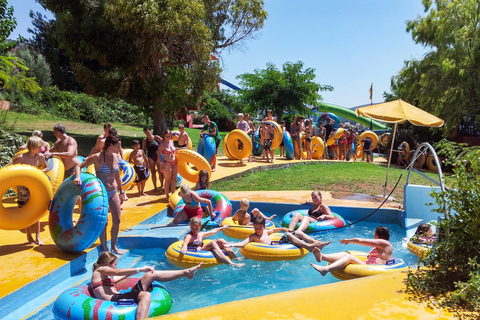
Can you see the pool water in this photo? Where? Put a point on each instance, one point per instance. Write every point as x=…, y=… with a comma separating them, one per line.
x=222, y=283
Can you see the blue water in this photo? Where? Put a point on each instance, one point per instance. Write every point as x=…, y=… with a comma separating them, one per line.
x=222, y=283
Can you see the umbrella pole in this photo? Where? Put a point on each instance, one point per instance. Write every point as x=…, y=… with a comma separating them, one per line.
x=389, y=160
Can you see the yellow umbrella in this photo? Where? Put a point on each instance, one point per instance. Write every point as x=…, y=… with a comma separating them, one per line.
x=398, y=111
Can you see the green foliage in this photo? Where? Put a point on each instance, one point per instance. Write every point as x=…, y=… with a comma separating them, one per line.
x=13, y=75
x=453, y=269
x=217, y=112
x=287, y=90
x=9, y=142
x=446, y=81
x=8, y=23
x=37, y=66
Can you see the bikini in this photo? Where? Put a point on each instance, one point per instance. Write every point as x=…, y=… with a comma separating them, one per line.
x=109, y=282
x=374, y=257
x=192, y=212
x=171, y=150
x=105, y=169
x=196, y=243
x=315, y=214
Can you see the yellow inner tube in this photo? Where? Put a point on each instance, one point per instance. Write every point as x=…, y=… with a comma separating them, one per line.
x=192, y=258
x=338, y=133
x=407, y=150
x=186, y=157
x=417, y=249
x=318, y=147
x=277, y=134
x=431, y=163
x=225, y=149
x=40, y=194
x=273, y=252
x=56, y=174
x=372, y=136
x=232, y=145
x=237, y=231
x=174, y=199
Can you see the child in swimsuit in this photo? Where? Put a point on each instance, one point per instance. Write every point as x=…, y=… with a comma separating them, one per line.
x=34, y=158
x=242, y=217
x=308, y=138
x=137, y=157
x=424, y=234
x=381, y=252
x=183, y=137
x=295, y=132
x=266, y=135
x=192, y=206
x=194, y=240
x=169, y=164
x=203, y=183
x=105, y=274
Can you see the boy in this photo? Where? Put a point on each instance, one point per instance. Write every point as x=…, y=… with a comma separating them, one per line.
x=243, y=218
x=262, y=235
x=266, y=135
x=183, y=138
x=34, y=158
x=367, y=144
x=137, y=157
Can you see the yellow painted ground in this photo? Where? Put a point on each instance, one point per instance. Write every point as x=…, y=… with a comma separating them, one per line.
x=22, y=263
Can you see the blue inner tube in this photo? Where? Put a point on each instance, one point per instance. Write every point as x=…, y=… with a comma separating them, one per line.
x=315, y=226
x=79, y=303
x=288, y=143
x=206, y=147
x=93, y=217
x=257, y=145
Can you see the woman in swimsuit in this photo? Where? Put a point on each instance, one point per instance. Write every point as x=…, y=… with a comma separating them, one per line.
x=194, y=240
x=381, y=252
x=319, y=212
x=192, y=206
x=106, y=167
x=150, y=147
x=105, y=274
x=169, y=163
x=308, y=138
x=295, y=133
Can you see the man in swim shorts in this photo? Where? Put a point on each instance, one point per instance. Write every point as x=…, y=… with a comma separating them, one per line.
x=210, y=128
x=65, y=148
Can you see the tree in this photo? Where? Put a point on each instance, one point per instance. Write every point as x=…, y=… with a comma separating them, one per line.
x=453, y=267
x=7, y=24
x=38, y=68
x=287, y=90
x=131, y=48
x=446, y=82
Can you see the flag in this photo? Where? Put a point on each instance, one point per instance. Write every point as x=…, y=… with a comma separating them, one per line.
x=371, y=91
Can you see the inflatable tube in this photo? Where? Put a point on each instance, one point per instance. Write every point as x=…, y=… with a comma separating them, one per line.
x=385, y=139
x=318, y=147
x=372, y=136
x=192, y=257
x=179, y=181
x=418, y=249
x=257, y=144
x=225, y=149
x=351, y=115
x=37, y=182
x=233, y=145
x=334, y=117
x=127, y=174
x=277, y=134
x=174, y=199
x=237, y=231
x=93, y=217
x=126, y=154
x=315, y=226
x=288, y=144
x=220, y=204
x=353, y=271
x=186, y=157
x=338, y=133
x=89, y=169
x=302, y=145
x=206, y=147
x=56, y=172
x=175, y=134
x=78, y=303
x=431, y=163
x=274, y=251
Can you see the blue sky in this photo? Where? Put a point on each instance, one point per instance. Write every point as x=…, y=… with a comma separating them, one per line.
x=349, y=43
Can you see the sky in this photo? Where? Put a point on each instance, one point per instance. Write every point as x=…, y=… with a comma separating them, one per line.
x=350, y=43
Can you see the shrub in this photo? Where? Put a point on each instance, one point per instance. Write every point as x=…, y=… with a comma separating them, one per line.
x=217, y=113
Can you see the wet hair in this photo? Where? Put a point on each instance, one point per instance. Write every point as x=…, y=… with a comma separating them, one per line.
x=317, y=192
x=185, y=188
x=244, y=203
x=107, y=125
x=166, y=132
x=202, y=174
x=259, y=220
x=147, y=128
x=104, y=259
x=33, y=142
x=60, y=128
x=111, y=140
x=37, y=133
x=134, y=142
x=195, y=220
x=112, y=132
x=422, y=229
x=382, y=232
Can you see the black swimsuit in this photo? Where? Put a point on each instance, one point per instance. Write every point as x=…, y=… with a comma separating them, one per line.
x=152, y=149
x=315, y=214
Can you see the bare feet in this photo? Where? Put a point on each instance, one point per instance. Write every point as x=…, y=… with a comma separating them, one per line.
x=319, y=244
x=117, y=251
x=213, y=169
x=237, y=264
x=318, y=254
x=323, y=271
x=192, y=270
x=40, y=242
x=144, y=194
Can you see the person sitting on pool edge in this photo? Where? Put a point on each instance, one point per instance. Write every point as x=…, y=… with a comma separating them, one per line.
x=194, y=239
x=243, y=218
x=381, y=252
x=105, y=274
x=192, y=206
x=262, y=235
x=318, y=212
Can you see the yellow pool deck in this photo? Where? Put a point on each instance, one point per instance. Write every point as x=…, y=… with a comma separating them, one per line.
x=368, y=298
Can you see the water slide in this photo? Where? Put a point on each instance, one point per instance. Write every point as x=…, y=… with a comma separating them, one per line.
x=350, y=114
